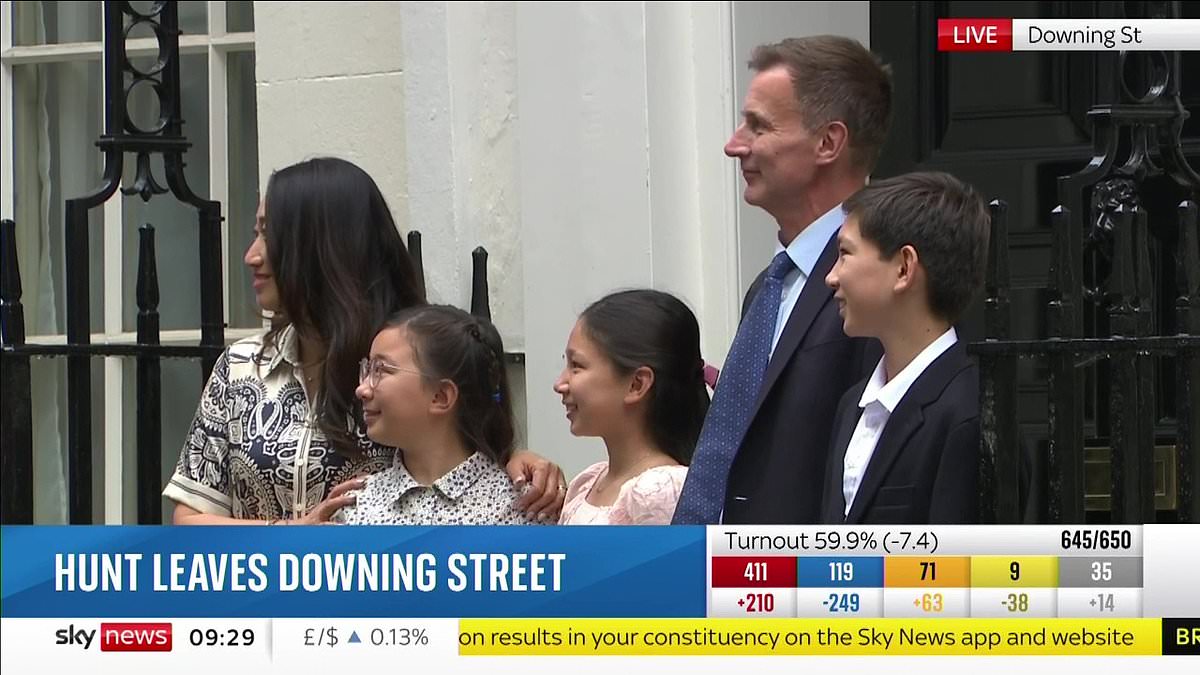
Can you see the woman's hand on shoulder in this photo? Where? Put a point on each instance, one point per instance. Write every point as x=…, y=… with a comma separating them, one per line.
x=543, y=483
x=340, y=496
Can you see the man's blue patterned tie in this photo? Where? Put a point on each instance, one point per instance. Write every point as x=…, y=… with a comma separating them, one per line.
x=737, y=390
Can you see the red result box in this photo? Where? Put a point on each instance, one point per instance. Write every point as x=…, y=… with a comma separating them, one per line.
x=747, y=572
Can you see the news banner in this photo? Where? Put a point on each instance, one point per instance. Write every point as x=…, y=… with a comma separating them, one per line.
x=308, y=599
x=1094, y=35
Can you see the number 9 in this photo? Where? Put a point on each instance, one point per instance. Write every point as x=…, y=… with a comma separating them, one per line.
x=1014, y=570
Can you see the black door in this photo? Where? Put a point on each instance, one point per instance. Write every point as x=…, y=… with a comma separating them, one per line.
x=1011, y=124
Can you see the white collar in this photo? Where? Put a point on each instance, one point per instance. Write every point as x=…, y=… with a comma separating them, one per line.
x=807, y=246
x=889, y=394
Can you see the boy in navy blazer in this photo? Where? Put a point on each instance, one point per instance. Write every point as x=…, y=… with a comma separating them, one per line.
x=905, y=446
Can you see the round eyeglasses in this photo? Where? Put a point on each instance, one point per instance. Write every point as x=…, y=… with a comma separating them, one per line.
x=370, y=369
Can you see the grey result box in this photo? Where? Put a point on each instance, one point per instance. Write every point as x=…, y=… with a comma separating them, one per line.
x=1100, y=572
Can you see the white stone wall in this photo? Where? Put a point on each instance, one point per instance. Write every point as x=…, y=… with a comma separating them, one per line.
x=331, y=82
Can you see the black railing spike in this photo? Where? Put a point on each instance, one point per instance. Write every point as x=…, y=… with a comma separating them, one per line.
x=149, y=385
x=996, y=285
x=16, y=414
x=1187, y=371
x=12, y=319
x=147, y=276
x=999, y=477
x=414, y=252
x=480, y=304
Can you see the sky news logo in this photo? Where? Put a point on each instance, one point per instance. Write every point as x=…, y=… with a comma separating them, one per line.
x=118, y=637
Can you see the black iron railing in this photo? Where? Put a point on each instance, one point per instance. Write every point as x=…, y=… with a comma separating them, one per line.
x=1123, y=320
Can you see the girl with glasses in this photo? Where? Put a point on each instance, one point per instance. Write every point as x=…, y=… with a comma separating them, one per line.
x=435, y=387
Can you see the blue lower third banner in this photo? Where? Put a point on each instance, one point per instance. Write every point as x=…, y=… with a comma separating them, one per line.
x=111, y=571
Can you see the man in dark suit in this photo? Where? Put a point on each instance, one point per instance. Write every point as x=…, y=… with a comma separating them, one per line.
x=814, y=121
x=912, y=254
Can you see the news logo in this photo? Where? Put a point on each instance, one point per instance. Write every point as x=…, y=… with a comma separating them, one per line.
x=135, y=637
x=72, y=637
x=118, y=637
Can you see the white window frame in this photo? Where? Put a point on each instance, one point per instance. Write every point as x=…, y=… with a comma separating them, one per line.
x=218, y=44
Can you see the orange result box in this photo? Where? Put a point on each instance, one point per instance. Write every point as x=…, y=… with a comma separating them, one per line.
x=927, y=572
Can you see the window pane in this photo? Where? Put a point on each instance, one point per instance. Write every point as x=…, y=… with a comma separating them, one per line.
x=49, y=400
x=193, y=17
x=42, y=23
x=176, y=234
x=51, y=502
x=243, y=187
x=56, y=118
x=239, y=16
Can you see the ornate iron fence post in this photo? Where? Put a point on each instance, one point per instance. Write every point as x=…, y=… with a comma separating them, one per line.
x=1104, y=310
x=16, y=414
x=1000, y=469
x=122, y=135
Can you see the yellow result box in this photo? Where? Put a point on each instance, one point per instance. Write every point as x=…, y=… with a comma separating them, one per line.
x=998, y=571
x=923, y=572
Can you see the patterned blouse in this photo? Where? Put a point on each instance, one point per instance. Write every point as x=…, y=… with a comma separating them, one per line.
x=476, y=492
x=254, y=450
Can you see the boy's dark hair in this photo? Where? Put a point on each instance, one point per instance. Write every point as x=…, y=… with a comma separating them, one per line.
x=449, y=344
x=656, y=330
x=943, y=218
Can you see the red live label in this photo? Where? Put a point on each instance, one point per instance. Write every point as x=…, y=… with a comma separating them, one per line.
x=135, y=637
x=763, y=572
x=974, y=35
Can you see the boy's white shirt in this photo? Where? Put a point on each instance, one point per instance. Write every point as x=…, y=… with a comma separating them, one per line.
x=877, y=402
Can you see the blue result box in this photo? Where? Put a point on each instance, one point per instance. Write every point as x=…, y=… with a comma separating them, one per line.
x=846, y=572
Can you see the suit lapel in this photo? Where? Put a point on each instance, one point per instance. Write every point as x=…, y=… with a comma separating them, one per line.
x=900, y=426
x=904, y=422
x=836, y=504
x=812, y=298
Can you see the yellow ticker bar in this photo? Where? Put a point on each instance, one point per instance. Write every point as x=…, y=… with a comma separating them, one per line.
x=798, y=637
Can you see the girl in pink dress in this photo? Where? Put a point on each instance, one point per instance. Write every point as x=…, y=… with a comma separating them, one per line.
x=634, y=377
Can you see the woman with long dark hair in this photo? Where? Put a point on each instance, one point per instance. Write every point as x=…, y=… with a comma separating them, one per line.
x=278, y=436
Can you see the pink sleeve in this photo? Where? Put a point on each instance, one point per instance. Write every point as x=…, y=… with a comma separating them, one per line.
x=651, y=497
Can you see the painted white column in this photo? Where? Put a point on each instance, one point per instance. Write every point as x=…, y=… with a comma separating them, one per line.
x=462, y=148
x=623, y=109
x=693, y=198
